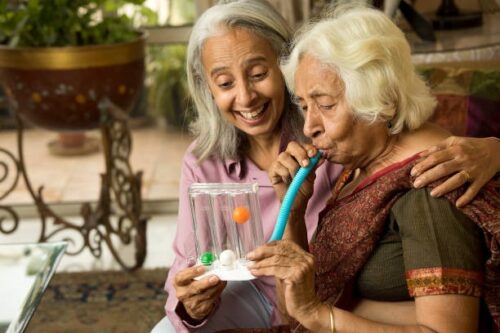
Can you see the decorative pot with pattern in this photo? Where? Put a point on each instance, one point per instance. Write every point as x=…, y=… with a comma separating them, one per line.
x=59, y=88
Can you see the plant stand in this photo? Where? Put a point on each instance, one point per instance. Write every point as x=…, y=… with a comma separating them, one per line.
x=118, y=212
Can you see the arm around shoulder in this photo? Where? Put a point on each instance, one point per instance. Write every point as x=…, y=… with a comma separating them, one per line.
x=462, y=160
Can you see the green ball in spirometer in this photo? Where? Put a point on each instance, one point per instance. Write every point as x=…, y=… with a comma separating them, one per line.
x=207, y=258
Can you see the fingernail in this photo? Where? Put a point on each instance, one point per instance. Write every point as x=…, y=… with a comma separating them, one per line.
x=250, y=264
x=413, y=172
x=250, y=255
x=459, y=204
x=305, y=162
x=213, y=279
x=417, y=183
x=200, y=269
x=434, y=193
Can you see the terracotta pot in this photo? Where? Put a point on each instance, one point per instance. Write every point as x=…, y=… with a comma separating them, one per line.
x=72, y=139
x=59, y=88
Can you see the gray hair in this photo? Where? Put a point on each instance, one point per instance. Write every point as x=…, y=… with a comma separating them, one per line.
x=215, y=136
x=372, y=57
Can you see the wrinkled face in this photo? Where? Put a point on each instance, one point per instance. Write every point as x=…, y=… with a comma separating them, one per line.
x=245, y=80
x=329, y=121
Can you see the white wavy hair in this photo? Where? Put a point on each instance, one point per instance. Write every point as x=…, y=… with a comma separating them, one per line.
x=373, y=59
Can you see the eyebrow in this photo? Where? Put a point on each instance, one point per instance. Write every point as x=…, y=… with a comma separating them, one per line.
x=257, y=59
x=248, y=62
x=316, y=93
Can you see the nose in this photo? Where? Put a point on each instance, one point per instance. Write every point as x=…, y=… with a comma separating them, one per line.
x=313, y=125
x=245, y=93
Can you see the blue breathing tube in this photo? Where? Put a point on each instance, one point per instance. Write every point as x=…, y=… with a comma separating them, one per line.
x=290, y=195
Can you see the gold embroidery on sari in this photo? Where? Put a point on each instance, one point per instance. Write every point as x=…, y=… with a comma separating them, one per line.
x=438, y=281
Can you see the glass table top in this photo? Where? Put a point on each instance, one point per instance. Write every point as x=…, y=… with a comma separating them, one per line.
x=25, y=272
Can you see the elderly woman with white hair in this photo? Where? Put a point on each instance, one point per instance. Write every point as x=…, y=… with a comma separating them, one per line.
x=386, y=257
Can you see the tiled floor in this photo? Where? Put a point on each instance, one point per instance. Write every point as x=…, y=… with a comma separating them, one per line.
x=155, y=151
x=67, y=181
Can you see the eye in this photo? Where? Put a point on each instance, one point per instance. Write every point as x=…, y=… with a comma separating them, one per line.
x=302, y=107
x=325, y=103
x=225, y=84
x=224, y=81
x=259, y=76
x=258, y=72
x=327, y=107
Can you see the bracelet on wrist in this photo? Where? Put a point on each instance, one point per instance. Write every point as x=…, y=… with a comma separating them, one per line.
x=332, y=318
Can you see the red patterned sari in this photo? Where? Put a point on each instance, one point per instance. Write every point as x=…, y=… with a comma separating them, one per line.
x=351, y=227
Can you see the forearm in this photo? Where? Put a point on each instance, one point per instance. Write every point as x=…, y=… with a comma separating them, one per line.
x=346, y=321
x=296, y=230
x=343, y=321
x=321, y=319
x=281, y=302
x=428, y=314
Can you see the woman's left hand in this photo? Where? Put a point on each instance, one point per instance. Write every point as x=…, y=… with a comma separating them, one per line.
x=472, y=160
x=294, y=268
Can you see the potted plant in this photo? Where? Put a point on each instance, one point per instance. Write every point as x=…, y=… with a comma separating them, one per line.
x=60, y=62
x=59, y=58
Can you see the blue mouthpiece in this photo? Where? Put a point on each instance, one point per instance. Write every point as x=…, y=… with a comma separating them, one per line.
x=290, y=195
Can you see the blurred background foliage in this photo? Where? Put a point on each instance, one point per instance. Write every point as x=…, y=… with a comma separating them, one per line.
x=46, y=23
x=168, y=95
x=167, y=84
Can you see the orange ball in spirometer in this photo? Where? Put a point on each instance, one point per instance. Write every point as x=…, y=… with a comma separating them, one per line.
x=241, y=215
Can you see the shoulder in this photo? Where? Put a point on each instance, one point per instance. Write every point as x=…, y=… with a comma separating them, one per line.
x=434, y=233
x=418, y=213
x=211, y=169
x=422, y=138
x=189, y=158
x=419, y=200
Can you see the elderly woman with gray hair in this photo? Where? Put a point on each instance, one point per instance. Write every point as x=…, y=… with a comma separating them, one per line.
x=245, y=118
x=386, y=257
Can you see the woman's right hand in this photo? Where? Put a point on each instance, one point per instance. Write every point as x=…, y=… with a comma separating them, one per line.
x=198, y=297
x=294, y=269
x=286, y=166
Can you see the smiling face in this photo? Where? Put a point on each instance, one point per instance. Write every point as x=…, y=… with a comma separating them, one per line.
x=245, y=80
x=329, y=121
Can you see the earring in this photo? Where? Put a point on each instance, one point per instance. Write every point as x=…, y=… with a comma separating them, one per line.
x=389, y=124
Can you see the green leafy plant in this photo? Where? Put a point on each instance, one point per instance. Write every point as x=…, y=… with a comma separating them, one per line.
x=168, y=92
x=46, y=23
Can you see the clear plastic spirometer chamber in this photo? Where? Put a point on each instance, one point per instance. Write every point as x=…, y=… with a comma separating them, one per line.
x=227, y=225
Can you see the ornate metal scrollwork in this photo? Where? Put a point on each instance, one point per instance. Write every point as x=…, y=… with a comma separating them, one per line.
x=9, y=177
x=118, y=213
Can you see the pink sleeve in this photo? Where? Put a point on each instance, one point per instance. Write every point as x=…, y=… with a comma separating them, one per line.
x=183, y=246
